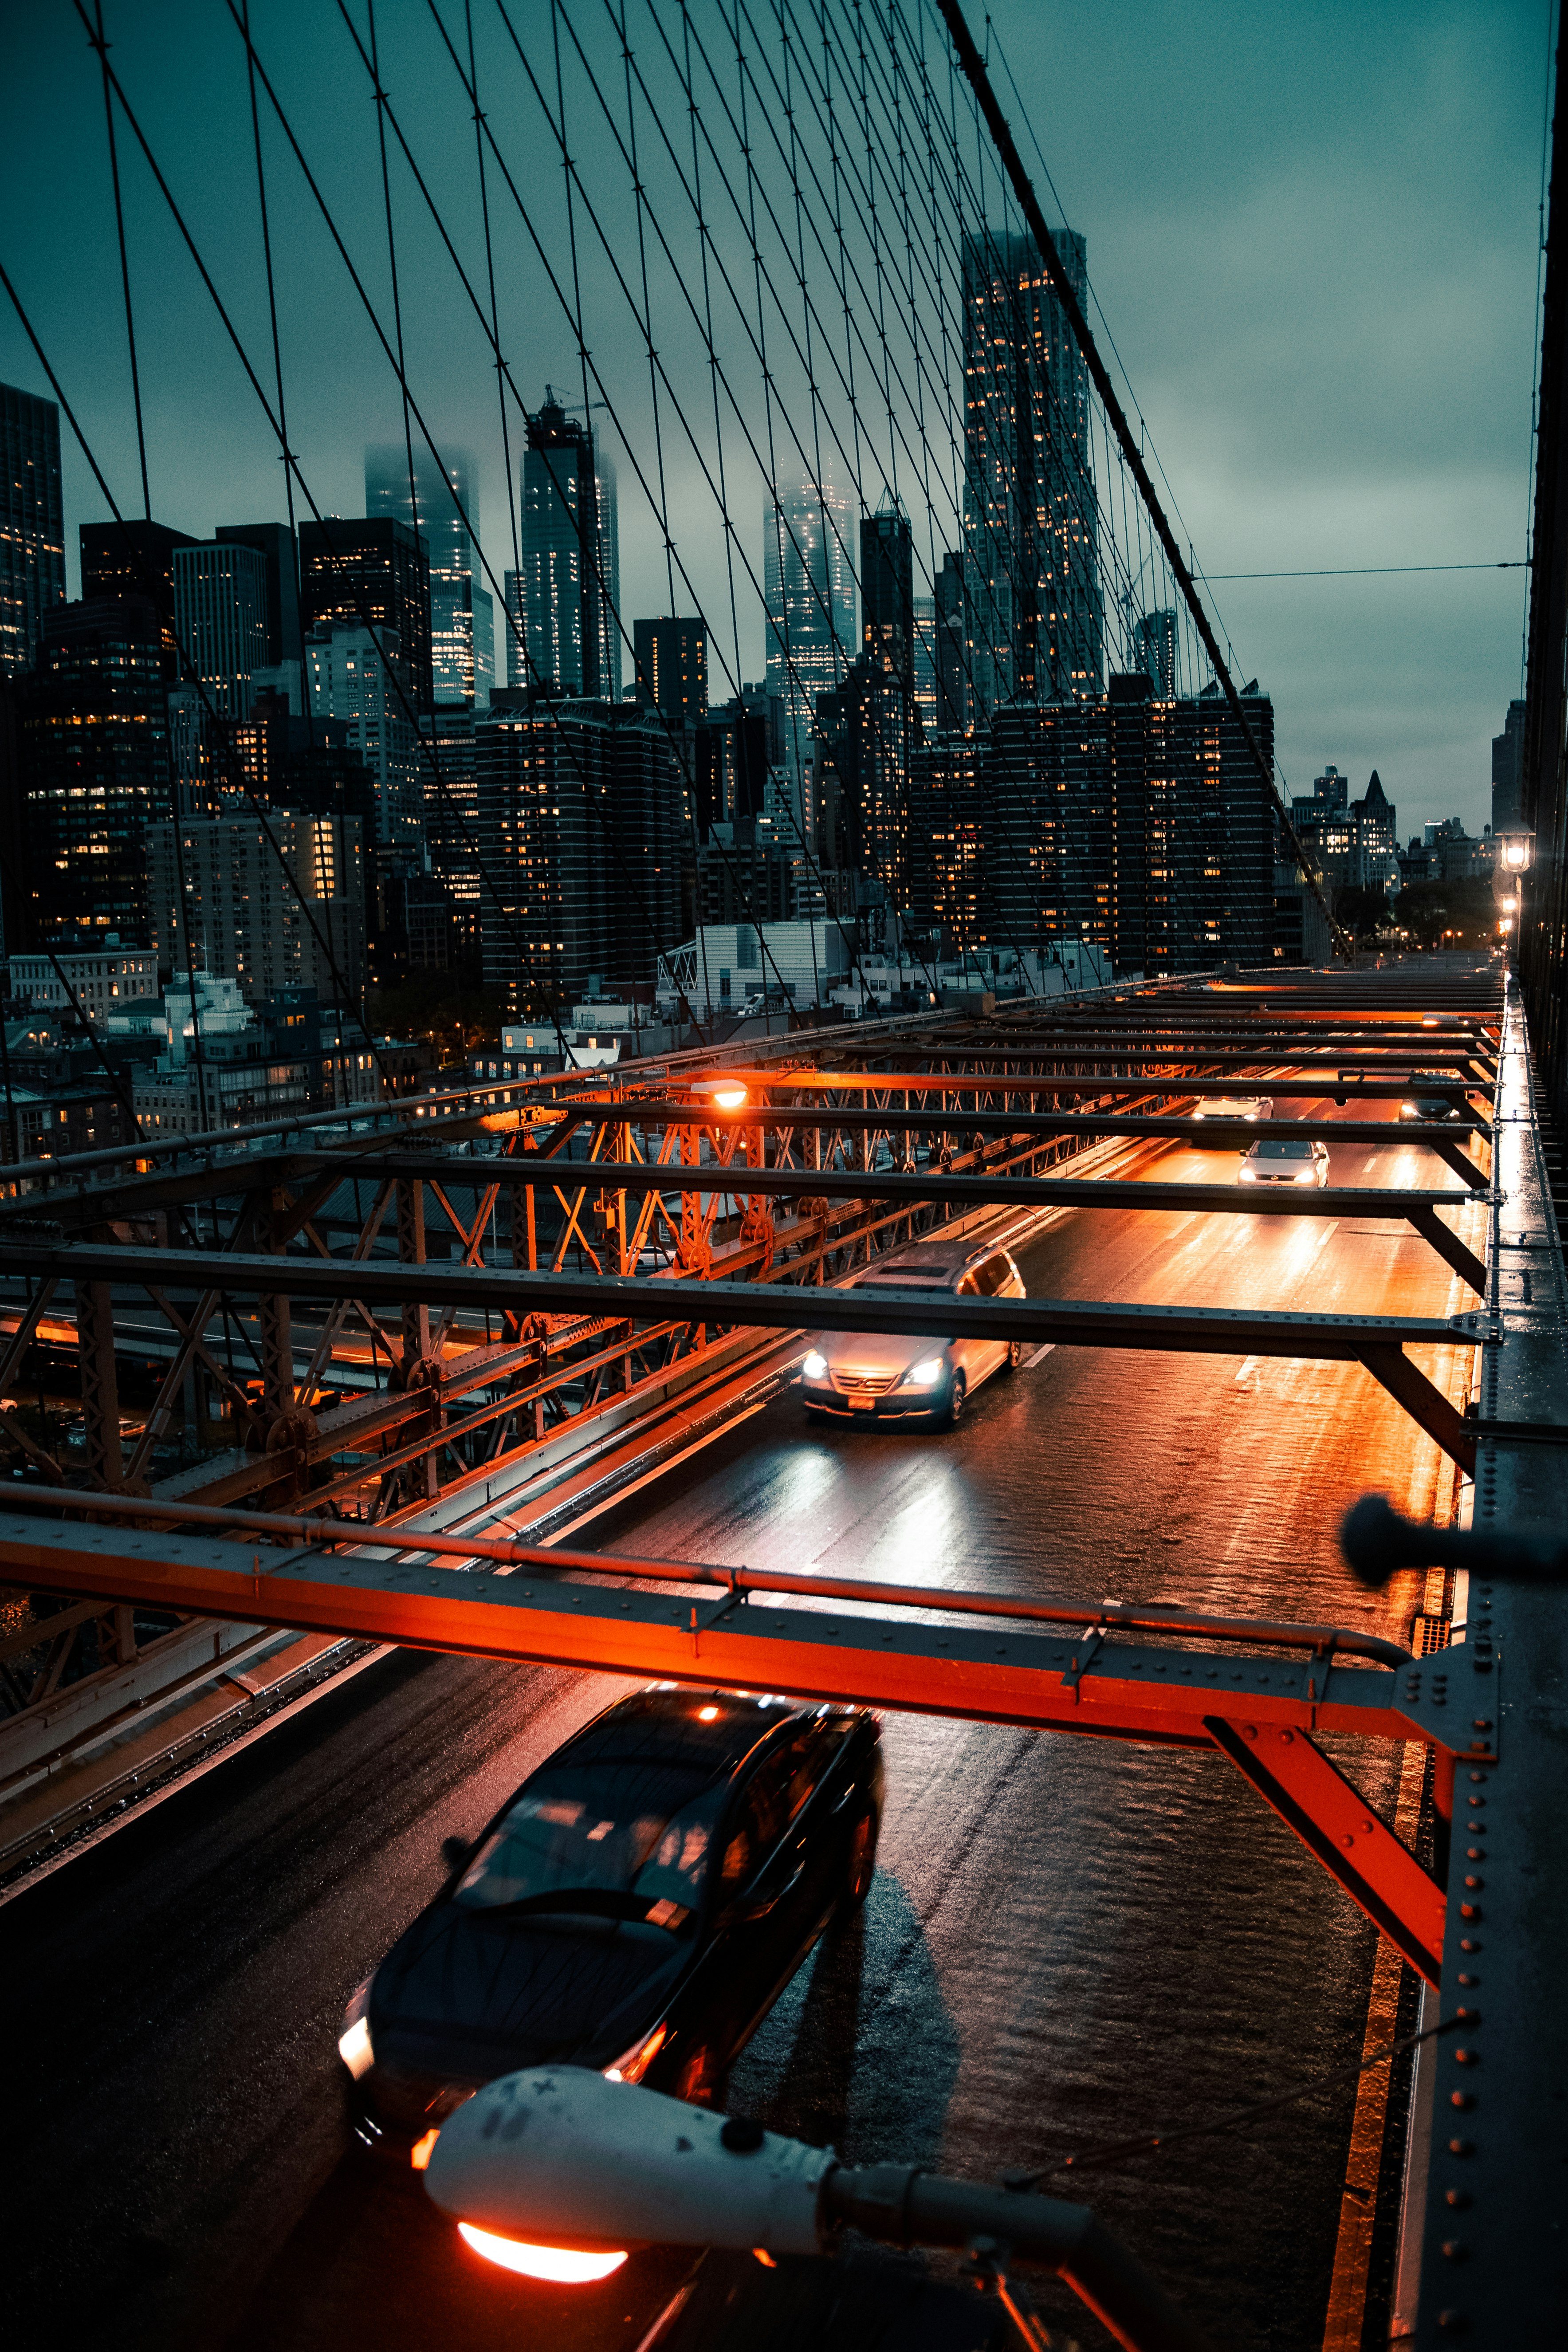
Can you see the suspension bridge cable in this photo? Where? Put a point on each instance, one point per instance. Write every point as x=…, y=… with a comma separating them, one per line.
x=101, y=46
x=1007, y=153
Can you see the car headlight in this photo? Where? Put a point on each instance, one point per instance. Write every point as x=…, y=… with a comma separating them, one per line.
x=926, y=1375
x=815, y=1366
x=1249, y=1176
x=1306, y=1176
x=354, y=2048
x=353, y=2043
x=1408, y=1110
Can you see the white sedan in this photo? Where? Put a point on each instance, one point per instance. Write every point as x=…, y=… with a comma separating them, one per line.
x=1250, y=1108
x=1285, y=1160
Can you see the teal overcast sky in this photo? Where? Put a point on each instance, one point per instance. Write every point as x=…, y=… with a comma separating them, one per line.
x=1313, y=231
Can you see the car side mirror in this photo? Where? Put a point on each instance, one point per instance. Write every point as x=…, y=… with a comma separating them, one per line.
x=455, y=1852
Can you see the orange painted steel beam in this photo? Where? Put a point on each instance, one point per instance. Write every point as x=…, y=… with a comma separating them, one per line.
x=1336, y=1824
x=1075, y=1680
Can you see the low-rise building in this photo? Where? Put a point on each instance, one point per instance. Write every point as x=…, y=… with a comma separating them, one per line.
x=95, y=982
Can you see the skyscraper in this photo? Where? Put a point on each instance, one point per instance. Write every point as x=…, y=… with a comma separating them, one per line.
x=134, y=559
x=571, y=544
x=808, y=588
x=377, y=572
x=93, y=769
x=1035, y=623
x=610, y=557
x=672, y=667
x=462, y=615
x=887, y=593
x=515, y=628
x=351, y=674
x=580, y=829
x=220, y=619
x=1154, y=650
x=1507, y=771
x=275, y=543
x=32, y=525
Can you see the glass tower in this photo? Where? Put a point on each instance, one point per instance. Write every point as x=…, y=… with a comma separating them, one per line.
x=570, y=558
x=809, y=591
x=462, y=621
x=1035, y=623
x=32, y=525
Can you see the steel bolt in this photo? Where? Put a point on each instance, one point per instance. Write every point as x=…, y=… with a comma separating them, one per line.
x=1461, y=2147
x=1482, y=1722
x=1456, y=2249
x=1461, y=2099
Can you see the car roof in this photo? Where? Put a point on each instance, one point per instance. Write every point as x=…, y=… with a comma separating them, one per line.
x=709, y=1732
x=936, y=1258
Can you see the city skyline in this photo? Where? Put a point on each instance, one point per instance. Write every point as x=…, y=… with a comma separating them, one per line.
x=1276, y=400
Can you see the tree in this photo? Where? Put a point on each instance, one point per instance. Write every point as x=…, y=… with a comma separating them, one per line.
x=436, y=1004
x=1364, y=913
x=1449, y=914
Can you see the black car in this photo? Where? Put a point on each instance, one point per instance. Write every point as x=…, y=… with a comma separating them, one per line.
x=1420, y=1105
x=638, y=1905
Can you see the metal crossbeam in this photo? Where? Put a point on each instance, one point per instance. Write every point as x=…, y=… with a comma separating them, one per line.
x=962, y=1190
x=1375, y=1340
x=1001, y=1671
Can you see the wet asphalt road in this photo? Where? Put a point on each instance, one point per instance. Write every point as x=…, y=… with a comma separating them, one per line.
x=1067, y=1942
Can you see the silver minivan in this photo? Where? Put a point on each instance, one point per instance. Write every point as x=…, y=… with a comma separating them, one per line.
x=880, y=1376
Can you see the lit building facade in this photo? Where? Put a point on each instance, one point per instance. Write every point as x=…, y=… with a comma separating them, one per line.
x=220, y=620
x=375, y=573
x=92, y=771
x=352, y=679
x=32, y=525
x=570, y=587
x=462, y=611
x=1034, y=613
x=671, y=668
x=581, y=831
x=268, y=914
x=808, y=589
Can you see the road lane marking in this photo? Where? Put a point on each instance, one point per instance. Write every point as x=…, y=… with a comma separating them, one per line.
x=1038, y=1353
x=1250, y=1365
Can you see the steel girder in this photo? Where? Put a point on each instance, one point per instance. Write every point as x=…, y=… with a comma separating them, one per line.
x=1377, y=1341
x=978, y=1192
x=1494, y=2258
x=1262, y=1712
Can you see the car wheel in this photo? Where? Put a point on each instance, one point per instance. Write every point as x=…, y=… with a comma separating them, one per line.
x=1014, y=1356
x=861, y=1866
x=957, y=1398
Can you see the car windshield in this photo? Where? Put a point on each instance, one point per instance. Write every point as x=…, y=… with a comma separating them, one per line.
x=1282, y=1151
x=632, y=1829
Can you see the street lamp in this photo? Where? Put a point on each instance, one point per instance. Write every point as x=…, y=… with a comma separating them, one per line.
x=1514, y=849
x=723, y=1093
x=560, y=2173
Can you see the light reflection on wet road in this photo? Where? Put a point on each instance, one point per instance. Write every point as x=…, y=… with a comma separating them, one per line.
x=1067, y=1941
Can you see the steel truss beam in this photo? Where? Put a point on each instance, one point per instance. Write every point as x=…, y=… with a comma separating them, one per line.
x=1029, y=1076
x=1375, y=1340
x=1417, y=1209
x=1262, y=1712
x=138, y=1195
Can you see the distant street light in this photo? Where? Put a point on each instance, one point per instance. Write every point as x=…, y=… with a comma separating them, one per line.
x=560, y=2173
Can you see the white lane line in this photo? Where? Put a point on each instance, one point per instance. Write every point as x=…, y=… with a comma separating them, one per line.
x=1250, y=1365
x=1038, y=1353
